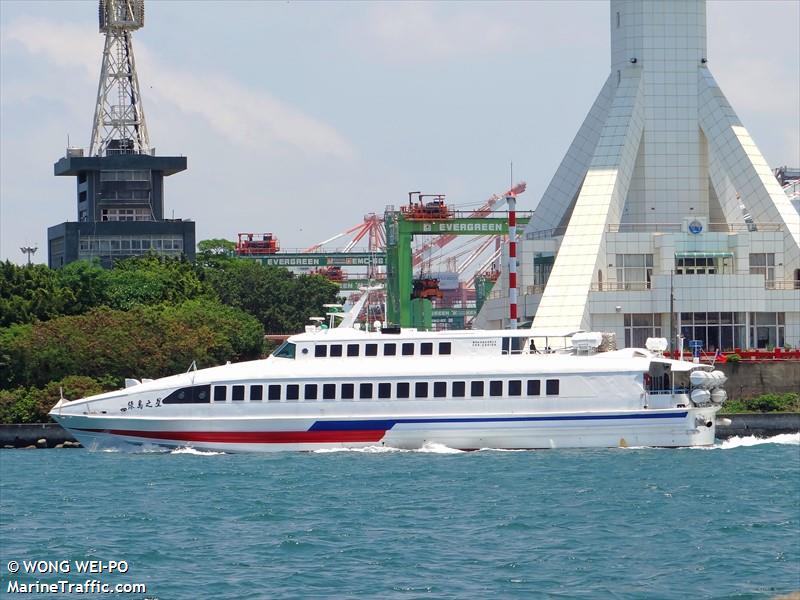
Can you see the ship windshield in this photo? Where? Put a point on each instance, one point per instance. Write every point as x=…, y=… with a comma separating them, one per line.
x=285, y=350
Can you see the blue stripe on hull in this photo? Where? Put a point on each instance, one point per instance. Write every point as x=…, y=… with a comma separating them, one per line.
x=388, y=424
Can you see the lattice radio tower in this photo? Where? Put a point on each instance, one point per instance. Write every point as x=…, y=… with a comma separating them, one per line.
x=119, y=126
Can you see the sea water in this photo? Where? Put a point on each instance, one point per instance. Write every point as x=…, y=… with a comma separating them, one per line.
x=722, y=522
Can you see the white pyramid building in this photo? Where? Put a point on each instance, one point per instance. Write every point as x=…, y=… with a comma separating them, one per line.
x=662, y=193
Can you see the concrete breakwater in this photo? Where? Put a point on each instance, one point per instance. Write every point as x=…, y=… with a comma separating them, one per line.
x=52, y=435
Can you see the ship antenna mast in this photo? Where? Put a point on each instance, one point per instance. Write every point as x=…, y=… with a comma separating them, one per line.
x=119, y=126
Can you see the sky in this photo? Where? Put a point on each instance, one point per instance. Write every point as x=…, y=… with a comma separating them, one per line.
x=299, y=118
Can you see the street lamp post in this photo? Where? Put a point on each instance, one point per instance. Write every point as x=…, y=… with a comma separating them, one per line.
x=30, y=251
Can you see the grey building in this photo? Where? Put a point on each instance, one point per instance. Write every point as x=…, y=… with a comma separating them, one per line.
x=120, y=209
x=120, y=184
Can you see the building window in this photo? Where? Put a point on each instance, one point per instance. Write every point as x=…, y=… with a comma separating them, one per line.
x=408, y=349
x=716, y=330
x=292, y=391
x=515, y=387
x=552, y=387
x=256, y=393
x=274, y=393
x=403, y=389
x=384, y=390
x=421, y=389
x=767, y=329
x=444, y=348
x=763, y=263
x=237, y=393
x=126, y=214
x=459, y=388
x=320, y=351
x=352, y=349
x=371, y=350
x=336, y=350
x=310, y=392
x=365, y=391
x=126, y=245
x=329, y=391
x=534, y=387
x=125, y=175
x=439, y=389
x=476, y=389
x=348, y=391
x=426, y=348
x=634, y=271
x=639, y=327
x=389, y=349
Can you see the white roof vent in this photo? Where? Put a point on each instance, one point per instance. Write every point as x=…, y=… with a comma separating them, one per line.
x=656, y=345
x=587, y=342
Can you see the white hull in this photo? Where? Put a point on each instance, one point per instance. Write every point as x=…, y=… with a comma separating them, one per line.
x=667, y=428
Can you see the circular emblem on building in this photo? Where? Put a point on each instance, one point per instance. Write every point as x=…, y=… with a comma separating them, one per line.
x=695, y=226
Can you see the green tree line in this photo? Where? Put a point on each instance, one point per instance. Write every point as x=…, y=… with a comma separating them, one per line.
x=84, y=328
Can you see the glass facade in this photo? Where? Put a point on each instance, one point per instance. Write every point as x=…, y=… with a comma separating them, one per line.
x=639, y=327
x=109, y=245
x=634, y=271
x=717, y=330
x=767, y=329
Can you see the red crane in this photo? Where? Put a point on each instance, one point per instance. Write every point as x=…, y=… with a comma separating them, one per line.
x=443, y=240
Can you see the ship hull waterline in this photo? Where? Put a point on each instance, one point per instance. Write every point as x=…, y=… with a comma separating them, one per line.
x=655, y=428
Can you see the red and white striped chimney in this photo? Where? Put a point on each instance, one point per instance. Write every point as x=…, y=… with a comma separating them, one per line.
x=511, y=201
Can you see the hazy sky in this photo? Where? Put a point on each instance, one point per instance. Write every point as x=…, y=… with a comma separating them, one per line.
x=300, y=117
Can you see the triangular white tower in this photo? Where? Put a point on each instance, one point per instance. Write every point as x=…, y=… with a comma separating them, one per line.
x=661, y=177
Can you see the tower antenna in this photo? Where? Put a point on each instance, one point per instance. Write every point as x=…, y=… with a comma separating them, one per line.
x=119, y=125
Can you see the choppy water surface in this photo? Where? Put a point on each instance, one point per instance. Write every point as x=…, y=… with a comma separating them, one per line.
x=633, y=523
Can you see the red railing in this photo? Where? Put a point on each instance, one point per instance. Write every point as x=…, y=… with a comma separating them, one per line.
x=745, y=355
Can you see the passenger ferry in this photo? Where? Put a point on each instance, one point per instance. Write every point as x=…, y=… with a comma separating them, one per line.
x=349, y=388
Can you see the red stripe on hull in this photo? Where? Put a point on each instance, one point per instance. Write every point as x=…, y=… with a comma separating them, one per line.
x=254, y=437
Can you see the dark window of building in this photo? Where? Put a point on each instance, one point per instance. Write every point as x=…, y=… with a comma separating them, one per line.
x=310, y=393
x=348, y=391
x=371, y=350
x=459, y=389
x=495, y=388
x=426, y=348
x=274, y=392
x=439, y=389
x=256, y=393
x=199, y=394
x=515, y=387
x=292, y=391
x=336, y=350
x=403, y=389
x=421, y=389
x=389, y=349
x=329, y=391
x=320, y=351
x=237, y=393
x=384, y=390
x=365, y=391
x=534, y=387
x=476, y=388
x=220, y=394
x=552, y=387
x=352, y=349
x=444, y=347
x=408, y=349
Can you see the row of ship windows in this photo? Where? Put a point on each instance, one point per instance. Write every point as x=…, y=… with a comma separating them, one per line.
x=366, y=391
x=390, y=349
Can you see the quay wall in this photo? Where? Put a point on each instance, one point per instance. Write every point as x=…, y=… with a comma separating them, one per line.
x=747, y=379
